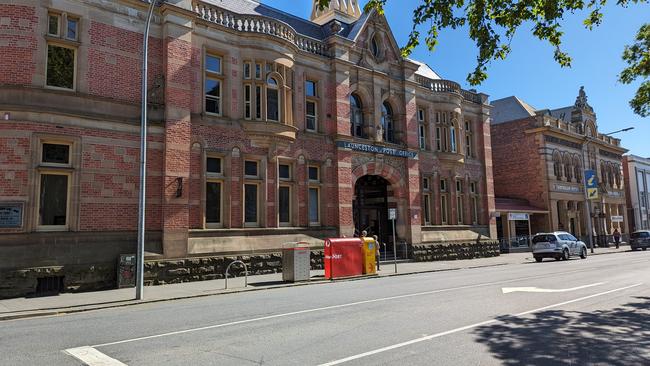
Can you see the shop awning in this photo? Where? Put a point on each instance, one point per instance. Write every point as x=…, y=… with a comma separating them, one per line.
x=517, y=205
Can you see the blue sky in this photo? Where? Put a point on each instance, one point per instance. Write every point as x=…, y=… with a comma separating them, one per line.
x=530, y=71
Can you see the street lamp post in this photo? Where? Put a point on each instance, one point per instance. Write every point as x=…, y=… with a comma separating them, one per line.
x=587, y=203
x=139, y=284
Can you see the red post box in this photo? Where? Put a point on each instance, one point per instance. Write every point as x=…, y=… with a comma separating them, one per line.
x=343, y=257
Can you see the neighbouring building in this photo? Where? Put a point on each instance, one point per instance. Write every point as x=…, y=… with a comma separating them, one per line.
x=539, y=157
x=636, y=172
x=265, y=128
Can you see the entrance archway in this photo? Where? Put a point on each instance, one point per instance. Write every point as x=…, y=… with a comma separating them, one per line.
x=370, y=207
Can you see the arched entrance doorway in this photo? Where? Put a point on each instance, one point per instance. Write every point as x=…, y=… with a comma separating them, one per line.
x=370, y=207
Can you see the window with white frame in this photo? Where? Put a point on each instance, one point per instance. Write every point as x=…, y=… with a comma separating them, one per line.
x=459, y=202
x=213, y=83
x=311, y=105
x=313, y=199
x=272, y=100
x=54, y=185
x=422, y=129
x=62, y=41
x=285, y=175
x=427, y=208
x=213, y=192
x=314, y=206
x=452, y=138
x=444, y=207
x=474, y=201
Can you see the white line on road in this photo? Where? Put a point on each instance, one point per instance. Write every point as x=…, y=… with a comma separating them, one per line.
x=506, y=290
x=476, y=325
x=92, y=357
x=275, y=316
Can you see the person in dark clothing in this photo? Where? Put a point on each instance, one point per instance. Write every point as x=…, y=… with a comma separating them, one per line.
x=617, y=238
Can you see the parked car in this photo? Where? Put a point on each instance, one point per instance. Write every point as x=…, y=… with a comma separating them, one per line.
x=557, y=245
x=640, y=240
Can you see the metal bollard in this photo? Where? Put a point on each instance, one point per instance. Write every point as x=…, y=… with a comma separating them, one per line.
x=245, y=273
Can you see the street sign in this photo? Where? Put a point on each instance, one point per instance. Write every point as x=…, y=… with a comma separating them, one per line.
x=617, y=218
x=392, y=214
x=516, y=216
x=591, y=184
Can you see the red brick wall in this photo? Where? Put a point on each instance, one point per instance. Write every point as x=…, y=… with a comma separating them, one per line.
x=115, y=60
x=108, y=173
x=519, y=169
x=18, y=44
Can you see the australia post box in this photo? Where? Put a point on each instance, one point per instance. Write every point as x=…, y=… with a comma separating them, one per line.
x=369, y=256
x=343, y=257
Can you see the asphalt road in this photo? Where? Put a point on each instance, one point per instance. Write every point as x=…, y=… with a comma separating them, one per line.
x=581, y=312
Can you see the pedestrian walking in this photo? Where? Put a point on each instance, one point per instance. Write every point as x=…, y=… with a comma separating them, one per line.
x=377, y=251
x=617, y=238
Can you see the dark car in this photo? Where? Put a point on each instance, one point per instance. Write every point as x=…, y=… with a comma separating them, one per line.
x=640, y=240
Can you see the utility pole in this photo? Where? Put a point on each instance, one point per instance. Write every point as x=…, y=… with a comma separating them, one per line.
x=139, y=283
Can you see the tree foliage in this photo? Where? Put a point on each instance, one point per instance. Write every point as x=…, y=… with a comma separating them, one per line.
x=492, y=24
x=637, y=56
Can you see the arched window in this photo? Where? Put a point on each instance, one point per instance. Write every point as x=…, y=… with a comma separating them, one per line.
x=568, y=169
x=617, y=177
x=610, y=175
x=272, y=100
x=387, y=122
x=557, y=166
x=603, y=173
x=356, y=116
x=577, y=167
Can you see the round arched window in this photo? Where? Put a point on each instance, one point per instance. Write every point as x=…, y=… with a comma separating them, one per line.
x=272, y=100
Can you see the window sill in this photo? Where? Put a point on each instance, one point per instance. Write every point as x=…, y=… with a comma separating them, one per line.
x=63, y=41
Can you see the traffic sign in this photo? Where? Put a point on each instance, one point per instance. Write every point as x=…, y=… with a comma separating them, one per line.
x=392, y=214
x=591, y=184
x=592, y=193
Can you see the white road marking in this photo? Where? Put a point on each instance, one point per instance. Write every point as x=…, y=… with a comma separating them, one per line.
x=92, y=357
x=475, y=325
x=314, y=310
x=506, y=290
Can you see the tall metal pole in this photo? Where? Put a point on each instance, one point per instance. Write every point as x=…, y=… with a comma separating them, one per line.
x=139, y=284
x=590, y=230
x=394, y=247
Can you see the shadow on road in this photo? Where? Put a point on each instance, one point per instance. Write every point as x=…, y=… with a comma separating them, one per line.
x=619, y=336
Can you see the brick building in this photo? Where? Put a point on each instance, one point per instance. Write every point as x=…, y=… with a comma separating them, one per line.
x=539, y=157
x=265, y=128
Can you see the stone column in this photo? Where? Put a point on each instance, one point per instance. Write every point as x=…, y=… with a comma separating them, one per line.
x=345, y=190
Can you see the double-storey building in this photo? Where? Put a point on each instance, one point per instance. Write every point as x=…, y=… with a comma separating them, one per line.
x=540, y=156
x=265, y=128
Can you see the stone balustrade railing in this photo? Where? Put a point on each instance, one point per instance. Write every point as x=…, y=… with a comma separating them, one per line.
x=258, y=24
x=447, y=86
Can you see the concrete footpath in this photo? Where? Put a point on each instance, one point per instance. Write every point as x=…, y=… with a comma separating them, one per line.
x=77, y=302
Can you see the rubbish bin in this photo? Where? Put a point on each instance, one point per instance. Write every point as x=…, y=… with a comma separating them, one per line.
x=296, y=262
x=369, y=249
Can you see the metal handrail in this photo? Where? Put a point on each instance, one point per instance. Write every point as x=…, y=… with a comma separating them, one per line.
x=245, y=273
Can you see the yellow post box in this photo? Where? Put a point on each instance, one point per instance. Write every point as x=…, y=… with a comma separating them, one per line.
x=369, y=256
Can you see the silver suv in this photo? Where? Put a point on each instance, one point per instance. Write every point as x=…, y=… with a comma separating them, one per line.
x=557, y=245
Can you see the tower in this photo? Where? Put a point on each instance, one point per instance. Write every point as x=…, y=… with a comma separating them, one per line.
x=346, y=11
